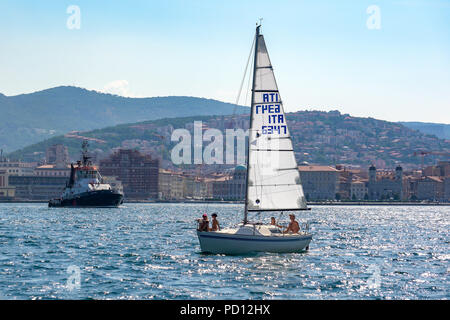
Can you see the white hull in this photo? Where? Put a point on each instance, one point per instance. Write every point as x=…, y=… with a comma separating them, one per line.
x=249, y=239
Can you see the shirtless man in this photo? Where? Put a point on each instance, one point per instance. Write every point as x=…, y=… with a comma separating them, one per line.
x=293, y=226
x=215, y=223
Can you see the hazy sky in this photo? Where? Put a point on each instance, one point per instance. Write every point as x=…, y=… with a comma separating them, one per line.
x=391, y=62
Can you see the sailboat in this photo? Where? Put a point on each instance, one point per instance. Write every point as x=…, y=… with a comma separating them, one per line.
x=273, y=180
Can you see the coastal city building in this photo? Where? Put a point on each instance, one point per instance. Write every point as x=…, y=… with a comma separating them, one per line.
x=17, y=168
x=37, y=187
x=57, y=155
x=231, y=186
x=385, y=184
x=442, y=169
x=359, y=190
x=220, y=187
x=6, y=192
x=433, y=184
x=319, y=182
x=348, y=175
x=137, y=172
x=170, y=185
x=139, y=177
x=52, y=170
x=447, y=189
x=195, y=188
x=430, y=188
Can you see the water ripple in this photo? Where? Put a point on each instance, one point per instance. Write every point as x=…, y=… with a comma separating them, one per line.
x=150, y=251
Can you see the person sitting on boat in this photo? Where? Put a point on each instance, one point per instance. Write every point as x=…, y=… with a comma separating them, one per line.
x=293, y=226
x=203, y=224
x=273, y=222
x=215, y=223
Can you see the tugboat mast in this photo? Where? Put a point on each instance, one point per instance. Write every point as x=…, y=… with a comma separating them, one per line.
x=85, y=153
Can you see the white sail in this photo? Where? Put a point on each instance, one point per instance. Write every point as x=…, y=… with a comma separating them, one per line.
x=273, y=179
x=273, y=176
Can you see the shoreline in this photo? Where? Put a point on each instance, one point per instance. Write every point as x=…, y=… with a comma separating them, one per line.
x=311, y=203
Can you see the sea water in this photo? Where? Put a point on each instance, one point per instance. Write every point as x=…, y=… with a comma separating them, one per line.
x=151, y=251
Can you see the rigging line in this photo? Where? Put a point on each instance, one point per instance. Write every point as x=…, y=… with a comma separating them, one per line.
x=248, y=86
x=277, y=222
x=245, y=73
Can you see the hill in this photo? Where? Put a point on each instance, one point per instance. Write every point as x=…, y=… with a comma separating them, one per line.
x=440, y=130
x=319, y=137
x=30, y=118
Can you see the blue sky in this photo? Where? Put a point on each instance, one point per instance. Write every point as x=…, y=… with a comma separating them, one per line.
x=324, y=55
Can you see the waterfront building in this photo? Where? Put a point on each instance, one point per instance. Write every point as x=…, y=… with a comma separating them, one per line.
x=37, y=187
x=447, y=189
x=359, y=190
x=430, y=188
x=410, y=186
x=17, y=168
x=319, y=182
x=220, y=187
x=347, y=175
x=170, y=185
x=231, y=186
x=237, y=183
x=194, y=188
x=385, y=185
x=138, y=173
x=6, y=192
x=432, y=185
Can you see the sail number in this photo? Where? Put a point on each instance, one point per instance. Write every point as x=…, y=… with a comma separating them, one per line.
x=274, y=129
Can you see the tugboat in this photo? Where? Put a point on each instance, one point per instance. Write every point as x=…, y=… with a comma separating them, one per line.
x=85, y=187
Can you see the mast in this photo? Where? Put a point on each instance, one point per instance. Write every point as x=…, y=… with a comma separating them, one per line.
x=250, y=124
x=85, y=153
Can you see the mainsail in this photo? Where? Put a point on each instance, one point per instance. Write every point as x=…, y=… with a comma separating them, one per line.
x=273, y=179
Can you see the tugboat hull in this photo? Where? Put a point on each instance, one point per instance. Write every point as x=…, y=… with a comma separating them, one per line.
x=101, y=198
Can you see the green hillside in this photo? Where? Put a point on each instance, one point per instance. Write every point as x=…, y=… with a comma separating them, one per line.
x=30, y=118
x=319, y=137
